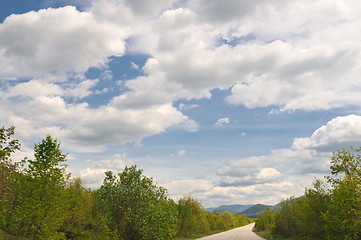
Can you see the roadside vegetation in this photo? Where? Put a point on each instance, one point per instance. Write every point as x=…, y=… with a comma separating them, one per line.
x=39, y=200
x=330, y=210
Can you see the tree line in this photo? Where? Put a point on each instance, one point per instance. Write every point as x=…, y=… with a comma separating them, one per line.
x=39, y=200
x=330, y=210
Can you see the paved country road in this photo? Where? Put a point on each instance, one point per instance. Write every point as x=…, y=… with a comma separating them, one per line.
x=242, y=233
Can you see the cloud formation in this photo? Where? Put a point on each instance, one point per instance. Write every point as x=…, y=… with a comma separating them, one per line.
x=288, y=55
x=193, y=49
x=94, y=174
x=56, y=40
x=284, y=172
x=222, y=121
x=339, y=132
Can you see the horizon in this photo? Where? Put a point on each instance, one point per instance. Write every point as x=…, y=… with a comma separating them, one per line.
x=231, y=102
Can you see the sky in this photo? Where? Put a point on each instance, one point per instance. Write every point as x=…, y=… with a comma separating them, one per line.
x=231, y=102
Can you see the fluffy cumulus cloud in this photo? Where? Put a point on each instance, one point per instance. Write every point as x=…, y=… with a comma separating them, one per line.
x=282, y=173
x=223, y=12
x=193, y=49
x=269, y=178
x=282, y=64
x=56, y=40
x=288, y=171
x=250, y=176
x=312, y=79
x=129, y=12
x=53, y=48
x=94, y=174
x=206, y=191
x=188, y=186
x=339, y=132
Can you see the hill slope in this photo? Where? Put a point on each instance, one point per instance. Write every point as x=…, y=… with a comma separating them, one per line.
x=236, y=208
x=255, y=210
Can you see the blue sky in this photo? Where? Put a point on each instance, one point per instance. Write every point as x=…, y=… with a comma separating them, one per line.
x=232, y=102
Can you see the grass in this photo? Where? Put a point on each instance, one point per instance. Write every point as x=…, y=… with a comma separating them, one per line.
x=269, y=236
x=195, y=236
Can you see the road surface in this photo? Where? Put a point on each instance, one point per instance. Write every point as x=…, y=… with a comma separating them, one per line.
x=242, y=233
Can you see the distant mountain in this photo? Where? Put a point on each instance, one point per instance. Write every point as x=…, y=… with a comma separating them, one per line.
x=236, y=208
x=252, y=211
x=256, y=210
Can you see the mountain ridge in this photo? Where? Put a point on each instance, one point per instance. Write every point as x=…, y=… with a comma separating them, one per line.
x=250, y=210
x=234, y=208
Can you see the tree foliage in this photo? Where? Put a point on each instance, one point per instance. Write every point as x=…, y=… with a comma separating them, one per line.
x=195, y=222
x=9, y=175
x=135, y=208
x=266, y=221
x=39, y=200
x=39, y=211
x=8, y=145
x=330, y=210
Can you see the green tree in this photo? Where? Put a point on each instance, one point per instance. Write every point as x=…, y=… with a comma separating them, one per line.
x=343, y=217
x=9, y=175
x=81, y=223
x=195, y=222
x=290, y=218
x=316, y=204
x=189, y=211
x=135, y=208
x=44, y=204
x=8, y=145
x=266, y=221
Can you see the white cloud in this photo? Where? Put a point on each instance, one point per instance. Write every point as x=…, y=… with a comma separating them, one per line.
x=188, y=125
x=106, y=75
x=35, y=88
x=312, y=79
x=79, y=126
x=267, y=173
x=186, y=62
x=185, y=107
x=249, y=176
x=209, y=194
x=116, y=162
x=133, y=65
x=56, y=40
x=22, y=154
x=283, y=68
x=121, y=126
x=94, y=175
x=294, y=167
x=222, y=121
x=145, y=8
x=128, y=12
x=81, y=89
x=338, y=133
x=178, y=188
x=218, y=12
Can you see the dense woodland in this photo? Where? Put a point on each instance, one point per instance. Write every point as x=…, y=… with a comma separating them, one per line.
x=39, y=200
x=331, y=210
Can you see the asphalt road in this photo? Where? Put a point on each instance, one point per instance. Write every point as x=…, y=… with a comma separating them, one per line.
x=242, y=233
